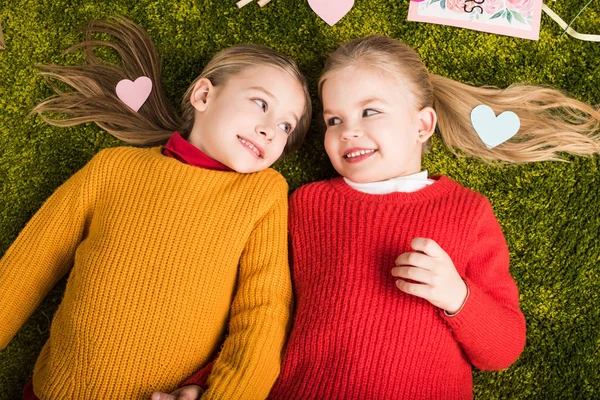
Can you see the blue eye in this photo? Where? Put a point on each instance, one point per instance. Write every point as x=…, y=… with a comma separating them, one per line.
x=369, y=112
x=261, y=103
x=287, y=128
x=333, y=121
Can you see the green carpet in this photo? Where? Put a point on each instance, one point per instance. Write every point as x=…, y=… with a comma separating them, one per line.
x=550, y=212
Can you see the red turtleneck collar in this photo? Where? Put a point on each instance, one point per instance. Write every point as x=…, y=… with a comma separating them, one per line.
x=179, y=148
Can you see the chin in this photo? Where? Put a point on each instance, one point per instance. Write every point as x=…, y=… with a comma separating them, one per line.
x=358, y=178
x=242, y=170
x=246, y=169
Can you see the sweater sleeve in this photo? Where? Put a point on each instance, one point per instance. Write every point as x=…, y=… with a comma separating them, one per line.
x=200, y=377
x=251, y=355
x=42, y=253
x=490, y=327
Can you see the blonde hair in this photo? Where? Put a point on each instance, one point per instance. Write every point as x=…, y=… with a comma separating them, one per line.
x=551, y=121
x=94, y=98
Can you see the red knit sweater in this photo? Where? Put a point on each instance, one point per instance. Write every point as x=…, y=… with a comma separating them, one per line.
x=355, y=335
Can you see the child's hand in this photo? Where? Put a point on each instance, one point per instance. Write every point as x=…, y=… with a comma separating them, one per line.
x=191, y=392
x=437, y=279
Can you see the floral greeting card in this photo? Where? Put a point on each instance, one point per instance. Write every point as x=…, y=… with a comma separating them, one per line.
x=520, y=18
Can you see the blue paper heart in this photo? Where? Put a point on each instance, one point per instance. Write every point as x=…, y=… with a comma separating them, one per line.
x=494, y=130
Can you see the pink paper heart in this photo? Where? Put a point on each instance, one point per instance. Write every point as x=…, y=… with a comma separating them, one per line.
x=331, y=11
x=134, y=94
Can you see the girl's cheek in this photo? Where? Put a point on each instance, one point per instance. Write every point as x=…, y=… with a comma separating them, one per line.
x=329, y=146
x=332, y=159
x=380, y=125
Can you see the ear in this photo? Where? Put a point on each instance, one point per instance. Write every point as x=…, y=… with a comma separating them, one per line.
x=426, y=119
x=202, y=93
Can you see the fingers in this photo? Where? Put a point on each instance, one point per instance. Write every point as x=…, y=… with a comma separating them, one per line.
x=427, y=246
x=427, y=253
x=430, y=273
x=416, y=289
x=415, y=259
x=415, y=274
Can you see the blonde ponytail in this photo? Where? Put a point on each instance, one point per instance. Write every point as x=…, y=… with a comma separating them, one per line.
x=551, y=122
x=94, y=98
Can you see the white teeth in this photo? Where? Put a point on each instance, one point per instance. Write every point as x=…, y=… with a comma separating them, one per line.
x=358, y=153
x=251, y=146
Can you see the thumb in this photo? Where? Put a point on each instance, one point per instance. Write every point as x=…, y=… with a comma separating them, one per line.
x=192, y=392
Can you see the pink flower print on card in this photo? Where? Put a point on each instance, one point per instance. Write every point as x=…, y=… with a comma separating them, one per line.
x=523, y=7
x=457, y=6
x=492, y=7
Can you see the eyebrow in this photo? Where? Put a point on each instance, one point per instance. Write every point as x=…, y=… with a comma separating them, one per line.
x=361, y=103
x=262, y=89
x=371, y=100
x=265, y=91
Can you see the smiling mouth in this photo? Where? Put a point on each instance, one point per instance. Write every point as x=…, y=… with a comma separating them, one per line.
x=253, y=148
x=359, y=154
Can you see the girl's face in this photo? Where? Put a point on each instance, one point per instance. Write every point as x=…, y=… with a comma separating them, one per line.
x=373, y=126
x=245, y=123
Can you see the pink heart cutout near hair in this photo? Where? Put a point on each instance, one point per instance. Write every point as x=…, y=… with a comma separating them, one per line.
x=331, y=11
x=134, y=94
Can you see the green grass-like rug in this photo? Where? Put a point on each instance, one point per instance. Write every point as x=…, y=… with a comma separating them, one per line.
x=550, y=212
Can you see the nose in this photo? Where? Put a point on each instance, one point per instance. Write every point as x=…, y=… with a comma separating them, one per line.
x=351, y=132
x=266, y=131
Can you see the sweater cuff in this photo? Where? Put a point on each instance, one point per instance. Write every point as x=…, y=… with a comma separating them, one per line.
x=447, y=314
x=471, y=311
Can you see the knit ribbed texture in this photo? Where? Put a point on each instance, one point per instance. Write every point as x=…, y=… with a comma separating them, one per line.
x=355, y=334
x=163, y=254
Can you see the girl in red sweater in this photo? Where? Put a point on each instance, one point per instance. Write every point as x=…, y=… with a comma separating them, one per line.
x=402, y=280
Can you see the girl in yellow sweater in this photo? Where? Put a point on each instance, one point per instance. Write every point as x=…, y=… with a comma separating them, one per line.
x=205, y=212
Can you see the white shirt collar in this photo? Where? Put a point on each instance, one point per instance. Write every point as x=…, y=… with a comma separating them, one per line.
x=409, y=183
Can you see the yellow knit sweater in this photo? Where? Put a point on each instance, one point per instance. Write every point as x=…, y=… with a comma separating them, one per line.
x=165, y=256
